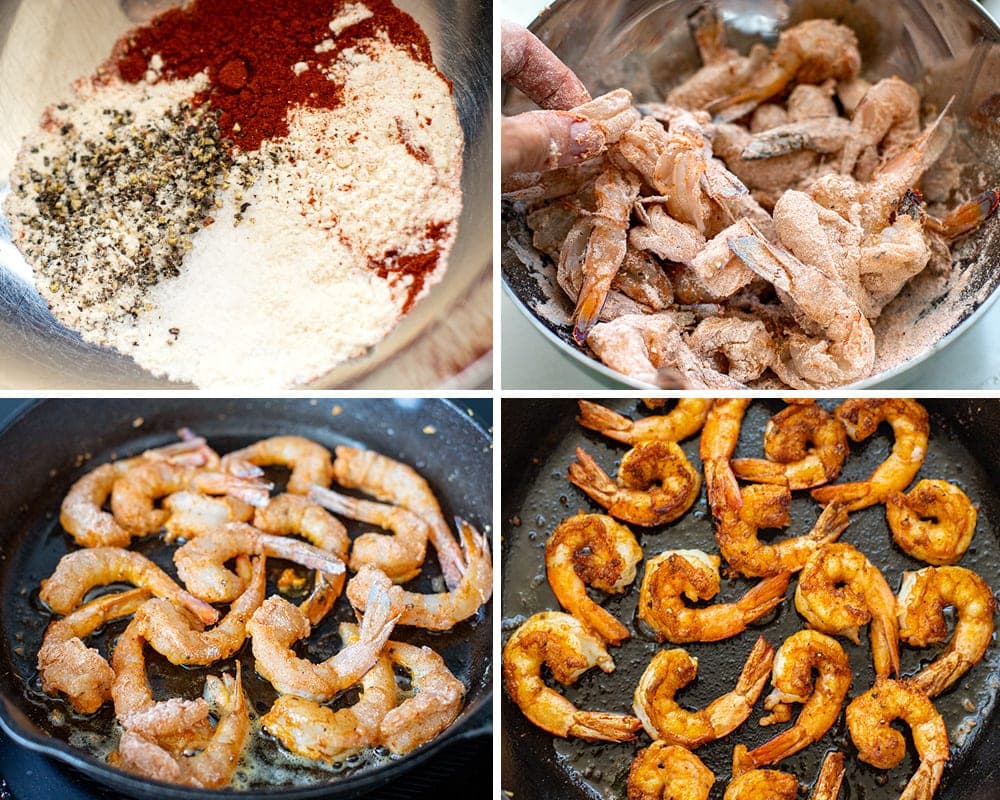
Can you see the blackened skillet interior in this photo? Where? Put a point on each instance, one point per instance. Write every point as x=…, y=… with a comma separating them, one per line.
x=38, y=463
x=538, y=442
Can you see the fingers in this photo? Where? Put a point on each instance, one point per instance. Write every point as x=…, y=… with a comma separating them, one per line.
x=535, y=70
x=543, y=140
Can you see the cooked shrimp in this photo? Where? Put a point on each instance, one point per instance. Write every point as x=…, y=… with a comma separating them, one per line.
x=934, y=522
x=869, y=720
x=719, y=437
x=436, y=612
x=591, y=550
x=399, y=556
x=569, y=648
x=308, y=461
x=768, y=784
x=889, y=110
x=695, y=575
x=672, y=670
x=668, y=772
x=683, y=421
x=192, y=514
x=861, y=416
x=656, y=484
x=68, y=666
x=922, y=599
x=840, y=590
x=804, y=444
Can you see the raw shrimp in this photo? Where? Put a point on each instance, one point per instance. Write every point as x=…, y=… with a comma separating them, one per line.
x=569, y=649
x=935, y=522
x=889, y=110
x=869, y=720
x=670, y=671
x=805, y=445
x=656, y=484
x=741, y=348
x=683, y=421
x=861, y=417
x=666, y=237
x=436, y=612
x=675, y=574
x=768, y=784
x=840, y=590
x=922, y=599
x=668, y=772
x=591, y=550
x=192, y=514
x=715, y=267
x=799, y=656
x=612, y=113
x=308, y=461
x=824, y=135
x=400, y=556
x=68, y=666
x=966, y=217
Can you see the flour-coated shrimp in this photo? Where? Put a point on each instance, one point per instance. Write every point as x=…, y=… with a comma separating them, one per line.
x=308, y=461
x=742, y=348
x=668, y=772
x=681, y=422
x=612, y=113
x=889, y=110
x=193, y=513
x=824, y=135
x=935, y=522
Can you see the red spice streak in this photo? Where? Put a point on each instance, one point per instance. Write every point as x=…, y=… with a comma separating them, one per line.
x=419, y=266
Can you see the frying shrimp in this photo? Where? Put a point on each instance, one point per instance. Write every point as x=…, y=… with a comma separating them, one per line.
x=68, y=666
x=934, y=522
x=889, y=110
x=861, y=416
x=436, y=612
x=656, y=484
x=675, y=574
x=840, y=590
x=192, y=514
x=668, y=772
x=308, y=461
x=922, y=599
x=591, y=550
x=718, y=443
x=768, y=784
x=683, y=421
x=869, y=720
x=569, y=649
x=670, y=671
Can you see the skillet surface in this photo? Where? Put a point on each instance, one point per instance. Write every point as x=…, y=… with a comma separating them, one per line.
x=537, y=494
x=53, y=443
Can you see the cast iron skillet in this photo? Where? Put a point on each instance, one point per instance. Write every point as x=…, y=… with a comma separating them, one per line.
x=42, y=452
x=538, y=444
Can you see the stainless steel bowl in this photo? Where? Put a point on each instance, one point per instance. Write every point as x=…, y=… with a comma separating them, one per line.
x=949, y=48
x=46, y=44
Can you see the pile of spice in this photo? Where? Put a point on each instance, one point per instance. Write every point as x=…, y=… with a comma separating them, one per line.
x=248, y=192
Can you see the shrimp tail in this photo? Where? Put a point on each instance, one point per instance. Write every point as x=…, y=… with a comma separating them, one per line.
x=602, y=726
x=831, y=775
x=723, y=490
x=832, y=522
x=604, y=420
x=759, y=470
x=742, y=761
x=924, y=782
x=756, y=671
x=587, y=475
x=202, y=610
x=380, y=616
x=789, y=741
x=941, y=674
x=763, y=597
x=588, y=312
x=967, y=217
x=854, y=496
x=885, y=646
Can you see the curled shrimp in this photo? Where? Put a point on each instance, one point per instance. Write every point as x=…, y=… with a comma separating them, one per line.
x=68, y=666
x=663, y=771
x=193, y=513
x=769, y=784
x=656, y=484
x=675, y=574
x=861, y=416
x=436, y=612
x=594, y=550
x=683, y=421
x=935, y=522
x=922, y=600
x=308, y=461
x=869, y=720
x=889, y=110
x=569, y=649
x=670, y=671
x=840, y=590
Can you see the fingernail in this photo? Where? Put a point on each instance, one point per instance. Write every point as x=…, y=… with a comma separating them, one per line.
x=585, y=139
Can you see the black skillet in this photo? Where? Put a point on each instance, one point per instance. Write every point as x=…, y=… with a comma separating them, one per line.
x=54, y=442
x=538, y=443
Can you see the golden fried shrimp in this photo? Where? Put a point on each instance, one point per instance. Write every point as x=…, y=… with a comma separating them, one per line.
x=569, y=649
x=675, y=574
x=861, y=417
x=805, y=445
x=922, y=599
x=769, y=784
x=889, y=110
x=840, y=590
x=668, y=772
x=308, y=461
x=656, y=484
x=684, y=420
x=719, y=437
x=670, y=671
x=869, y=720
x=193, y=513
x=934, y=522
x=436, y=612
x=68, y=666
x=400, y=556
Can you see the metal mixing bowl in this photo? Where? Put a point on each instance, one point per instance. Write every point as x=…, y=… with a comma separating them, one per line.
x=948, y=48
x=46, y=44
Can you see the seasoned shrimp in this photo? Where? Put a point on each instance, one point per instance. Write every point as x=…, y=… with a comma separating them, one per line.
x=400, y=556
x=840, y=590
x=768, y=784
x=594, y=550
x=656, y=484
x=668, y=772
x=818, y=134
x=719, y=437
x=861, y=416
x=436, y=612
x=612, y=113
x=670, y=671
x=695, y=575
x=68, y=666
x=308, y=461
x=922, y=599
x=966, y=217
x=683, y=421
x=192, y=514
x=742, y=348
x=869, y=720
x=804, y=444
x=934, y=522
x=569, y=649
x=889, y=110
